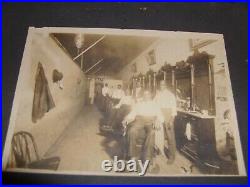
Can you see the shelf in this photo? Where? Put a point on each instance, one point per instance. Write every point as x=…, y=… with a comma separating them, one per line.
x=196, y=114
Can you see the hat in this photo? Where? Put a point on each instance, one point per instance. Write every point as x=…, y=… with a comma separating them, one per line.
x=57, y=76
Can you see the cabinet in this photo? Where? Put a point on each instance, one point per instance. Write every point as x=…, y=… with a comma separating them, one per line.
x=200, y=147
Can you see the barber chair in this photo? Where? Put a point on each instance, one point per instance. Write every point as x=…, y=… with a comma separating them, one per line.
x=25, y=152
x=109, y=105
x=105, y=123
x=107, y=129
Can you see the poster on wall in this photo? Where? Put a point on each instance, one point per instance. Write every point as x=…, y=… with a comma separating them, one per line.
x=151, y=57
x=88, y=139
x=134, y=68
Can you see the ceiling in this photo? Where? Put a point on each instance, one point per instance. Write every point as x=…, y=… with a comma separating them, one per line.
x=115, y=50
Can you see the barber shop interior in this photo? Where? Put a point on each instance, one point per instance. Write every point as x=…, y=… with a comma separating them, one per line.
x=83, y=97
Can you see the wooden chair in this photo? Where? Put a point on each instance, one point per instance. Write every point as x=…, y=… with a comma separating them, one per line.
x=25, y=152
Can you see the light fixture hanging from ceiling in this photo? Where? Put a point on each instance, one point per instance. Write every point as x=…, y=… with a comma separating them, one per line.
x=79, y=41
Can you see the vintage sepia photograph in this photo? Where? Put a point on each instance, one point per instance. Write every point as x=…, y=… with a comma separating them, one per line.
x=123, y=102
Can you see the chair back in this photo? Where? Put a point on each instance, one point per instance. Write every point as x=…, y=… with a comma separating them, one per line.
x=24, y=149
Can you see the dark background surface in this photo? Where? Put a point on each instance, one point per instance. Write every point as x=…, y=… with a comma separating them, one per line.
x=228, y=19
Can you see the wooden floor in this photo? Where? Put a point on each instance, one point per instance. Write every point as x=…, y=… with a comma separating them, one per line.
x=82, y=148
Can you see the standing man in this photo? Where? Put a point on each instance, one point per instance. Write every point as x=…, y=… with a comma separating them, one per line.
x=92, y=91
x=167, y=102
x=105, y=92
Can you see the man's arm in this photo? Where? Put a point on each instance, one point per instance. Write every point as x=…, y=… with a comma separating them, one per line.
x=130, y=117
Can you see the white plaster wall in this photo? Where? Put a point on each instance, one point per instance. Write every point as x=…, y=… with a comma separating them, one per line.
x=68, y=101
x=170, y=50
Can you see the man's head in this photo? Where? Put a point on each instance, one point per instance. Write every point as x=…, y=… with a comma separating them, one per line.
x=163, y=85
x=147, y=95
x=106, y=85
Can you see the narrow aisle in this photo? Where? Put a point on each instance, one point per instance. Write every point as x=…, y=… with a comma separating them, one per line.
x=80, y=145
x=82, y=148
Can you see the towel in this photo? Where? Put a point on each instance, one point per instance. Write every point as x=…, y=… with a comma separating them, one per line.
x=159, y=138
x=42, y=101
x=188, y=131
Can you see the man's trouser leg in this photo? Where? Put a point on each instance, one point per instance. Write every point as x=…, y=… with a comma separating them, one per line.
x=171, y=141
x=142, y=128
x=104, y=103
x=132, y=136
x=170, y=134
x=108, y=106
x=149, y=143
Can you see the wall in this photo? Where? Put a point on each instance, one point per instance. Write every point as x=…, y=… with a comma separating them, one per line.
x=172, y=50
x=69, y=101
x=167, y=50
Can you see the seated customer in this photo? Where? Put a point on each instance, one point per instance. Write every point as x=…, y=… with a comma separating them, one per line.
x=120, y=110
x=113, y=99
x=144, y=116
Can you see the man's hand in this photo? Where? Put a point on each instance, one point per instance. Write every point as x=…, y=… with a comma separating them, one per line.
x=124, y=123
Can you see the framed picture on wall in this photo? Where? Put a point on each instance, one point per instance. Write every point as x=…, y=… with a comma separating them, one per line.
x=134, y=68
x=151, y=57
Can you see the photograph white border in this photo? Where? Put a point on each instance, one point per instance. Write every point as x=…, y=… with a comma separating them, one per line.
x=155, y=33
